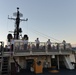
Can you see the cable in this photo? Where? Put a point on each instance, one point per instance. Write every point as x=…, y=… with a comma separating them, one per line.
x=46, y=36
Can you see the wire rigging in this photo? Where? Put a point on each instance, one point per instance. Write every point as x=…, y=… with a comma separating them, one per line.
x=44, y=35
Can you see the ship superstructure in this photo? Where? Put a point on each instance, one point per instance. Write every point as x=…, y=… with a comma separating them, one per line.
x=15, y=58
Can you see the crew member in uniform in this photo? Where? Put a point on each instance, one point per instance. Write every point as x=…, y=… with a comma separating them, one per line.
x=49, y=44
x=12, y=44
x=37, y=43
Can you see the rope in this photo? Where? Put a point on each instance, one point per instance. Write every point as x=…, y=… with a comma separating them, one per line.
x=40, y=34
x=44, y=35
x=17, y=63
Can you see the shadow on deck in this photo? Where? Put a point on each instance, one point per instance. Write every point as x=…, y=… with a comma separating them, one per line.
x=47, y=72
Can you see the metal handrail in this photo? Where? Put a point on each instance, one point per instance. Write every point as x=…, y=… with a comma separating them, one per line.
x=2, y=48
x=19, y=47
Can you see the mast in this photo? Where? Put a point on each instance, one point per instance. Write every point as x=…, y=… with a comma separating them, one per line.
x=17, y=29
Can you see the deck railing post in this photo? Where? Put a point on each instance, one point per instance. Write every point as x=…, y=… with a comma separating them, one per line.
x=46, y=49
x=31, y=51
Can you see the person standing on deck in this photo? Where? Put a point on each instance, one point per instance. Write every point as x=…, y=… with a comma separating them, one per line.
x=12, y=44
x=57, y=46
x=25, y=44
x=49, y=44
x=37, y=43
x=64, y=44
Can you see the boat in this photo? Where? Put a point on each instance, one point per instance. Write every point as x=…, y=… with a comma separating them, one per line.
x=15, y=59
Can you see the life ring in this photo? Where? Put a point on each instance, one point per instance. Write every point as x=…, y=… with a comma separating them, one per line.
x=39, y=63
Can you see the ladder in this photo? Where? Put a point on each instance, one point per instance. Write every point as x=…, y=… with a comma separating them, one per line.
x=67, y=62
x=5, y=67
x=0, y=64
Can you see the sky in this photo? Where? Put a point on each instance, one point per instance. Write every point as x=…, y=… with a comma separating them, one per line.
x=47, y=19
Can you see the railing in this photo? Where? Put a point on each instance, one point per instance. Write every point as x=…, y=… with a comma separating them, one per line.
x=1, y=55
x=1, y=47
x=43, y=48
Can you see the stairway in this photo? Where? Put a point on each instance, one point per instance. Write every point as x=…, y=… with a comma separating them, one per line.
x=68, y=63
x=5, y=66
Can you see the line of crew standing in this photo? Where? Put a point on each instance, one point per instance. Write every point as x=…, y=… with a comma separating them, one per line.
x=25, y=42
x=37, y=43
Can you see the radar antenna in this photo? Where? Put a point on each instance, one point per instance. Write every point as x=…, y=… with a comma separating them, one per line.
x=17, y=23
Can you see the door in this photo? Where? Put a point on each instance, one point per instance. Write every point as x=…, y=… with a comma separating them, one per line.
x=13, y=69
x=29, y=63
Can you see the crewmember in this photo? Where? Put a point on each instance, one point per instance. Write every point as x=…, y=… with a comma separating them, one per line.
x=25, y=44
x=12, y=44
x=64, y=44
x=49, y=44
x=37, y=43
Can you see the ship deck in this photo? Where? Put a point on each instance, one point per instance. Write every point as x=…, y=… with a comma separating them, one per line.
x=47, y=72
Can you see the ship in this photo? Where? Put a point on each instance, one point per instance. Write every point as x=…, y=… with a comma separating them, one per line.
x=16, y=58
